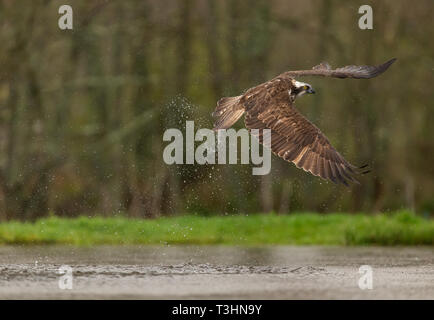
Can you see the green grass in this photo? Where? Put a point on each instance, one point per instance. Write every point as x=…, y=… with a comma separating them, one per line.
x=401, y=228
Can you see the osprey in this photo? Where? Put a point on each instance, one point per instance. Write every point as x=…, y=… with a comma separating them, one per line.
x=270, y=105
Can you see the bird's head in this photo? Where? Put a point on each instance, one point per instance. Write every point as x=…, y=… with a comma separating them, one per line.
x=300, y=88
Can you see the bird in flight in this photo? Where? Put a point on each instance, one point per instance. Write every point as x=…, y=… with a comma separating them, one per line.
x=294, y=138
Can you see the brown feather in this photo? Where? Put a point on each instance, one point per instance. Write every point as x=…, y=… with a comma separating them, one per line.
x=355, y=72
x=293, y=137
x=296, y=139
x=227, y=112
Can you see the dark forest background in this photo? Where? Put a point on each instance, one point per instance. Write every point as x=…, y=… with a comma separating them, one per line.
x=83, y=111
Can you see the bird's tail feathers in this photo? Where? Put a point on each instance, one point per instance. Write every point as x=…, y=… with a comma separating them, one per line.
x=227, y=112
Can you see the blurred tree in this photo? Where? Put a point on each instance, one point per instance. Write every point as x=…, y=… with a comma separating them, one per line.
x=83, y=111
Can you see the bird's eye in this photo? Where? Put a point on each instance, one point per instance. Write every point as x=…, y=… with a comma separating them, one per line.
x=305, y=87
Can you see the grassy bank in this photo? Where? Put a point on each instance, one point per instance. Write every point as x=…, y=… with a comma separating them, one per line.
x=400, y=228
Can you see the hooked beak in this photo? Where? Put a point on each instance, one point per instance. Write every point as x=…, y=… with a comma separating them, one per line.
x=310, y=90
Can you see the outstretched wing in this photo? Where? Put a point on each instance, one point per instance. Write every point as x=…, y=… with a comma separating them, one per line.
x=356, y=72
x=296, y=139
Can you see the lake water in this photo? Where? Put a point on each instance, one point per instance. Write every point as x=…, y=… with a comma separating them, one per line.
x=190, y=272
